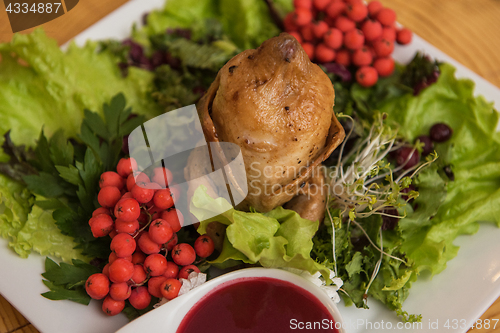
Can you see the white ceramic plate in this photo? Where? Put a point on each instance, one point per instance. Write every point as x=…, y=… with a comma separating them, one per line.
x=459, y=295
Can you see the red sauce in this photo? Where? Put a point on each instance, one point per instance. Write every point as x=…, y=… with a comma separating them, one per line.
x=259, y=305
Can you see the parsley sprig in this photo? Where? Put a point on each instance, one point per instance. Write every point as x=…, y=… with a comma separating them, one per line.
x=65, y=171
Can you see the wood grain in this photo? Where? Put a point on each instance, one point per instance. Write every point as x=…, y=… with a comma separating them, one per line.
x=467, y=30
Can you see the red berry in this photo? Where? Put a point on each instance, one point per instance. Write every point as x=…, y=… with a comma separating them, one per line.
x=335, y=9
x=186, y=270
x=105, y=270
x=112, y=257
x=147, y=245
x=154, y=284
x=174, y=217
x=357, y=11
x=354, y=39
x=112, y=307
x=127, y=195
x=404, y=36
x=160, y=231
x=108, y=196
x=296, y=35
x=321, y=4
x=139, y=275
x=302, y=16
x=407, y=156
x=343, y=57
x=119, y=291
x=130, y=182
x=155, y=264
x=309, y=50
x=123, y=245
x=307, y=33
x=97, y=286
x=101, y=225
x=289, y=23
x=140, y=298
x=389, y=33
x=383, y=48
x=319, y=29
x=384, y=66
x=333, y=38
x=183, y=254
x=324, y=54
x=172, y=242
x=374, y=7
x=121, y=270
x=344, y=24
x=162, y=176
x=172, y=270
x=204, y=246
x=126, y=166
x=372, y=30
x=386, y=16
x=163, y=199
x=110, y=178
x=366, y=76
x=101, y=210
x=112, y=234
x=126, y=227
x=306, y=4
x=141, y=193
x=362, y=57
x=127, y=210
x=170, y=288
x=138, y=257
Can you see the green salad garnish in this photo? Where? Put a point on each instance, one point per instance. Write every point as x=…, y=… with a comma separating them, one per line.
x=387, y=225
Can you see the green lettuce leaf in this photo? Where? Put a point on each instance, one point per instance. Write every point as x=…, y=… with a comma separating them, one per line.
x=41, y=85
x=246, y=22
x=473, y=153
x=279, y=238
x=41, y=234
x=15, y=205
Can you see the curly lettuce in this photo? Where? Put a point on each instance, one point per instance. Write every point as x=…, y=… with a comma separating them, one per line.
x=473, y=155
x=279, y=238
x=43, y=86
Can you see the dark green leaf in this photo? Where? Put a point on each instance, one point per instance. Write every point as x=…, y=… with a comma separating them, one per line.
x=69, y=174
x=64, y=273
x=112, y=113
x=61, y=150
x=57, y=293
x=50, y=204
x=44, y=184
x=95, y=122
x=42, y=153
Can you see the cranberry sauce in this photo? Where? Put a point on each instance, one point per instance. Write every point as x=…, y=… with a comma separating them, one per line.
x=257, y=305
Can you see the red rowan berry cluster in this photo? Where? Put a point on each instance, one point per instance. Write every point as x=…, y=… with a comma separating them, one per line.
x=349, y=33
x=139, y=214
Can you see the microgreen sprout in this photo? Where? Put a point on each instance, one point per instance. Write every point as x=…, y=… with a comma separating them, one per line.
x=363, y=183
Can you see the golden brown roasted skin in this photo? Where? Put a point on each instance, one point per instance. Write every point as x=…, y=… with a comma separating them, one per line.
x=278, y=107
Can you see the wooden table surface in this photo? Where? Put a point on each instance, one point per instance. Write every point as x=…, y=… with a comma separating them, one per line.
x=467, y=30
